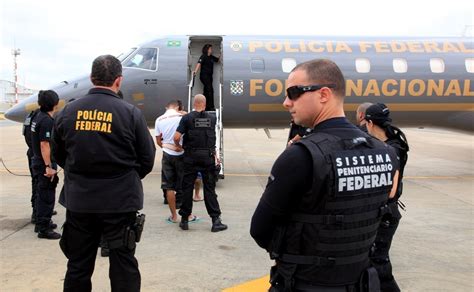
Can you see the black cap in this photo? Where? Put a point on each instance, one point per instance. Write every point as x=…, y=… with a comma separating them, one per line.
x=378, y=113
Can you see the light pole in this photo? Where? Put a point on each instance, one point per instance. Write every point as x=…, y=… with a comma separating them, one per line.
x=15, y=53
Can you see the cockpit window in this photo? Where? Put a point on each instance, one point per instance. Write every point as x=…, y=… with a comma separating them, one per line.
x=144, y=58
x=124, y=55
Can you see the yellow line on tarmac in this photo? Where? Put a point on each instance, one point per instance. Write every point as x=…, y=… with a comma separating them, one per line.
x=257, y=285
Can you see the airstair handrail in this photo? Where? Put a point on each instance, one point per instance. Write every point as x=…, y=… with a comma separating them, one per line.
x=190, y=89
x=220, y=132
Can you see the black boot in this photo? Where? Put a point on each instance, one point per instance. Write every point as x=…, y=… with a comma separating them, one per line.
x=49, y=234
x=217, y=225
x=184, y=223
x=51, y=226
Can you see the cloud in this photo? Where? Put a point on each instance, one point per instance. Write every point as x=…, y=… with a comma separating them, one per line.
x=59, y=39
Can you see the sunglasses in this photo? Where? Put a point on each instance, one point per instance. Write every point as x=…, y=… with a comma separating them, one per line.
x=296, y=91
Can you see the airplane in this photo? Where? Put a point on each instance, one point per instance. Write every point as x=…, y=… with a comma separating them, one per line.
x=424, y=81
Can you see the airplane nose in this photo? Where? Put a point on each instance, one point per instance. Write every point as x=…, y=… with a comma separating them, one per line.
x=15, y=114
x=19, y=111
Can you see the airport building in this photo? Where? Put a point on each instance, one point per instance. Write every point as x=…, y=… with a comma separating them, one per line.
x=7, y=94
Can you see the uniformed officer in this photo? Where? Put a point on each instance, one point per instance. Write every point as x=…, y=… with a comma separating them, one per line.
x=105, y=149
x=360, y=115
x=29, y=155
x=325, y=196
x=206, y=65
x=199, y=142
x=44, y=168
x=379, y=125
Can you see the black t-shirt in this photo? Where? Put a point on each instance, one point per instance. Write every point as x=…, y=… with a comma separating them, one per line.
x=41, y=129
x=402, y=155
x=184, y=124
x=207, y=64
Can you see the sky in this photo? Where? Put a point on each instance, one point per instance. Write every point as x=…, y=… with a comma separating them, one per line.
x=59, y=39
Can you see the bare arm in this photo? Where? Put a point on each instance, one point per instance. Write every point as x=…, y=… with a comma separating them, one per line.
x=159, y=140
x=46, y=152
x=198, y=66
x=46, y=155
x=177, y=138
x=393, y=192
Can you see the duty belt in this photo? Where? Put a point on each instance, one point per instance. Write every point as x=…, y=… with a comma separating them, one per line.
x=322, y=261
x=340, y=219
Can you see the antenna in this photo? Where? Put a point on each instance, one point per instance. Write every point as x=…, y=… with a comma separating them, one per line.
x=15, y=53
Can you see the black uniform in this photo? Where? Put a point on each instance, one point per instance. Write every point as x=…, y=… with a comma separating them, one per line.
x=199, y=143
x=380, y=253
x=105, y=148
x=322, y=206
x=29, y=154
x=41, y=129
x=207, y=68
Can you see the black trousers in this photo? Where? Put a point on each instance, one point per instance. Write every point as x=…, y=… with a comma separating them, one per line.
x=45, y=197
x=192, y=165
x=34, y=182
x=208, y=91
x=81, y=236
x=379, y=256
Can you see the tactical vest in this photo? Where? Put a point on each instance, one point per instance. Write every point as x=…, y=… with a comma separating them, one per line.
x=327, y=238
x=201, y=133
x=27, y=127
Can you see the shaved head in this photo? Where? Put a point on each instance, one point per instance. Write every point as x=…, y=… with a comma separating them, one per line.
x=360, y=113
x=199, y=102
x=363, y=107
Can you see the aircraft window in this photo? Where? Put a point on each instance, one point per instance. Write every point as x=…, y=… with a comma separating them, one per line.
x=437, y=65
x=287, y=64
x=470, y=65
x=400, y=65
x=257, y=65
x=124, y=55
x=362, y=65
x=144, y=58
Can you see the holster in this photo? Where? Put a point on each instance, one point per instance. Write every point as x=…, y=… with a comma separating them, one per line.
x=369, y=281
x=130, y=237
x=132, y=234
x=138, y=226
x=281, y=277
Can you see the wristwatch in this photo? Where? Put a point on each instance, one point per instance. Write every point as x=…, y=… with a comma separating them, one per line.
x=48, y=166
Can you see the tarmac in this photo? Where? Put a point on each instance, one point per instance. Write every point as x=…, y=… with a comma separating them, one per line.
x=432, y=250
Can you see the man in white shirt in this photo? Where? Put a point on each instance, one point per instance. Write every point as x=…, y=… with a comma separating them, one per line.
x=172, y=162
